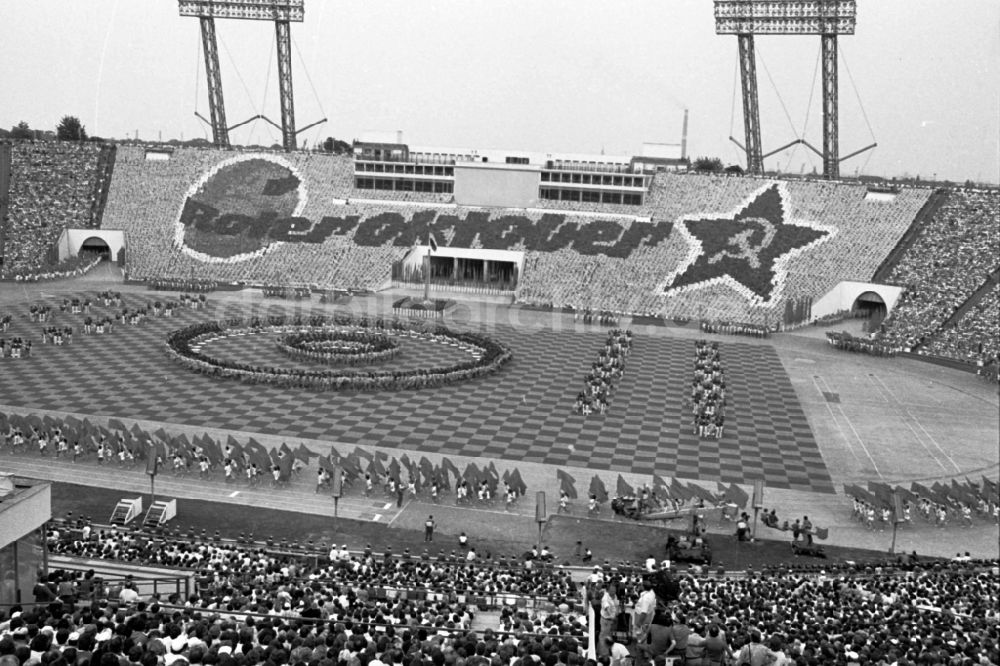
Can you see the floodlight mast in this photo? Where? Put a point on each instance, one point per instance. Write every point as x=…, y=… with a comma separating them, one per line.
x=282, y=12
x=827, y=18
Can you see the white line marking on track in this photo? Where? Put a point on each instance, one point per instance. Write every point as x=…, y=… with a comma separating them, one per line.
x=919, y=439
x=234, y=493
x=934, y=442
x=887, y=389
x=377, y=517
x=388, y=505
x=878, y=389
x=833, y=417
x=860, y=441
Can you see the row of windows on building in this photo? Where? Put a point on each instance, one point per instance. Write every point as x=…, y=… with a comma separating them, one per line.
x=593, y=179
x=587, y=196
x=550, y=193
x=404, y=185
x=405, y=169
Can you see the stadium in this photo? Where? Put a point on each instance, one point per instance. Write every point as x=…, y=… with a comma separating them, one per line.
x=390, y=401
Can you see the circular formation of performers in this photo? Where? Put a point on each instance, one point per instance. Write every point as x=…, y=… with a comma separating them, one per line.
x=604, y=373
x=708, y=391
x=339, y=347
x=184, y=346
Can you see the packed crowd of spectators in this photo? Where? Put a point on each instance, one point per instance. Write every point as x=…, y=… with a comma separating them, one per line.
x=146, y=196
x=975, y=337
x=54, y=185
x=348, y=631
x=953, y=256
x=81, y=264
x=243, y=575
x=605, y=372
x=913, y=615
x=708, y=391
x=254, y=606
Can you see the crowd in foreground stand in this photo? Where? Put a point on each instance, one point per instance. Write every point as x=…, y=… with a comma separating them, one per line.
x=607, y=371
x=236, y=572
x=341, y=612
x=708, y=391
x=934, y=615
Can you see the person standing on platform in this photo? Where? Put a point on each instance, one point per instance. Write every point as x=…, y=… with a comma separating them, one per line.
x=429, y=529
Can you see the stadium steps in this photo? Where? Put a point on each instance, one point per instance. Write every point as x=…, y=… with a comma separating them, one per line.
x=155, y=516
x=926, y=213
x=147, y=579
x=122, y=514
x=102, y=184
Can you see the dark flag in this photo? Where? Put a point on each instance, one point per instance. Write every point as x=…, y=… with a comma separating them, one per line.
x=736, y=495
x=566, y=483
x=376, y=468
x=517, y=483
x=598, y=490
x=623, y=489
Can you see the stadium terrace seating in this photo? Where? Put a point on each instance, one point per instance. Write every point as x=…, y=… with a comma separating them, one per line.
x=911, y=612
x=952, y=257
x=866, y=231
x=54, y=185
x=975, y=336
x=616, y=263
x=225, y=567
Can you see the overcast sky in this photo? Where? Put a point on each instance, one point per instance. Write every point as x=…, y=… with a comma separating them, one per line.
x=540, y=75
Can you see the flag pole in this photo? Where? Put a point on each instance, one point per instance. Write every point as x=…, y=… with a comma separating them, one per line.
x=427, y=276
x=427, y=271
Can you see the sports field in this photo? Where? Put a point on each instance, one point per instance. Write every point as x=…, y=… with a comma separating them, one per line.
x=802, y=416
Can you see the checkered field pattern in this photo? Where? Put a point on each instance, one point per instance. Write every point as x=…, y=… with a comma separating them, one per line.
x=522, y=413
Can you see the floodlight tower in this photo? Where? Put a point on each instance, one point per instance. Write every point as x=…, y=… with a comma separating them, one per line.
x=827, y=18
x=282, y=12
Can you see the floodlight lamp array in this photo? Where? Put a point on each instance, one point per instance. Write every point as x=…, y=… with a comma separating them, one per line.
x=785, y=17
x=260, y=10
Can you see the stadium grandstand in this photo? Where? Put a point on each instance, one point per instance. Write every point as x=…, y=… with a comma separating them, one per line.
x=327, y=231
x=586, y=259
